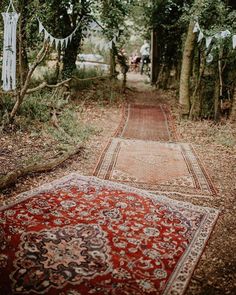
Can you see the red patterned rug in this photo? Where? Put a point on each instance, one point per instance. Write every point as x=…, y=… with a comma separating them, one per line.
x=155, y=166
x=147, y=123
x=82, y=235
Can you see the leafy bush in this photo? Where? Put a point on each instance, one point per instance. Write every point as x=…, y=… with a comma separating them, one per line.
x=36, y=107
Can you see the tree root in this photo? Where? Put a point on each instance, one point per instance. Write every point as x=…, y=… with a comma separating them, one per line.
x=11, y=177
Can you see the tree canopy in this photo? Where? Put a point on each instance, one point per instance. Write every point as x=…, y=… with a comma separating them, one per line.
x=172, y=22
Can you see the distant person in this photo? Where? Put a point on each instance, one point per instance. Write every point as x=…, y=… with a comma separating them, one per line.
x=122, y=60
x=145, y=55
x=135, y=60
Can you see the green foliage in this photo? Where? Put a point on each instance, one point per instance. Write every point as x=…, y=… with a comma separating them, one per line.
x=83, y=74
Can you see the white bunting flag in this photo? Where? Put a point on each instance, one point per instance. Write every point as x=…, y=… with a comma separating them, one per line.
x=208, y=41
x=41, y=28
x=110, y=44
x=56, y=43
x=196, y=27
x=234, y=41
x=70, y=37
x=225, y=34
x=46, y=35
x=200, y=36
x=66, y=41
x=51, y=39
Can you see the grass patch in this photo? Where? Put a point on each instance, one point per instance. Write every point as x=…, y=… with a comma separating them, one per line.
x=72, y=130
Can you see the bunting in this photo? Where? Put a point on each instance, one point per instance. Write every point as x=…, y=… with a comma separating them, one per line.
x=100, y=44
x=63, y=42
x=208, y=39
x=218, y=35
x=93, y=26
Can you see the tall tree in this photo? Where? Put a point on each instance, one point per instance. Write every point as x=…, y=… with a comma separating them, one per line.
x=187, y=60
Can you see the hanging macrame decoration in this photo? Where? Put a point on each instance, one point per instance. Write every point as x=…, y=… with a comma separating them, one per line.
x=10, y=20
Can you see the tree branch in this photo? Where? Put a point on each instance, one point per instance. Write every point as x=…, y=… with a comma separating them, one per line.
x=11, y=177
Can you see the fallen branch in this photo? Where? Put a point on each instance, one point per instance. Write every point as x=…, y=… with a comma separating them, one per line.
x=92, y=78
x=11, y=177
x=44, y=84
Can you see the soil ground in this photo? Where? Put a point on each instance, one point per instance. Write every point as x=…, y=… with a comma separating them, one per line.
x=215, y=146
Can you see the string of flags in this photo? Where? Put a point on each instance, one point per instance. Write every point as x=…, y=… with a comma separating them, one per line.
x=218, y=35
x=62, y=42
x=96, y=38
x=10, y=20
x=92, y=27
x=208, y=39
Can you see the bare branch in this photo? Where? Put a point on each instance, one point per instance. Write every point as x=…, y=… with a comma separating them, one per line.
x=44, y=84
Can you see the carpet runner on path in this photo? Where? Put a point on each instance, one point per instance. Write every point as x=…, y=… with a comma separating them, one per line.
x=147, y=123
x=82, y=235
x=155, y=166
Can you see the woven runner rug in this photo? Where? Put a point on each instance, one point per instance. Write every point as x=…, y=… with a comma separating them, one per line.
x=147, y=122
x=82, y=235
x=155, y=166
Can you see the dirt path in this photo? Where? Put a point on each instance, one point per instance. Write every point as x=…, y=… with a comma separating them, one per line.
x=216, y=270
x=215, y=148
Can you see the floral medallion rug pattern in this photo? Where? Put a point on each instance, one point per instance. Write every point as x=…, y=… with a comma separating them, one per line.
x=82, y=235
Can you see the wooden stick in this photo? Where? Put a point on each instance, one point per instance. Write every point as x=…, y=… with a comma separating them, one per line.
x=11, y=177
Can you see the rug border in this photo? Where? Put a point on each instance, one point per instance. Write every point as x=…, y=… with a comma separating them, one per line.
x=76, y=176
x=181, y=276
x=212, y=190
x=170, y=122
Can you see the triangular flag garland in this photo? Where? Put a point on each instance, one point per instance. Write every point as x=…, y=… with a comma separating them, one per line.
x=93, y=26
x=218, y=35
x=57, y=41
x=10, y=20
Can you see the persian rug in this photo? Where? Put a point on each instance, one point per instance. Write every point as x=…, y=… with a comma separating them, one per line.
x=154, y=166
x=147, y=123
x=81, y=235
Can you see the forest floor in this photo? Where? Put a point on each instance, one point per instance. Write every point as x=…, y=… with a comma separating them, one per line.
x=214, y=144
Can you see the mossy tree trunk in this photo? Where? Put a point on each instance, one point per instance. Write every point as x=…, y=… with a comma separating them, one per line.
x=23, y=58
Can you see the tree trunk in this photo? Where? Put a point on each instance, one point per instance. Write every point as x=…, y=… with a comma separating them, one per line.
x=23, y=58
x=70, y=56
x=71, y=51
x=218, y=89
x=217, y=101
x=155, y=60
x=233, y=111
x=112, y=62
x=195, y=107
x=184, y=90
